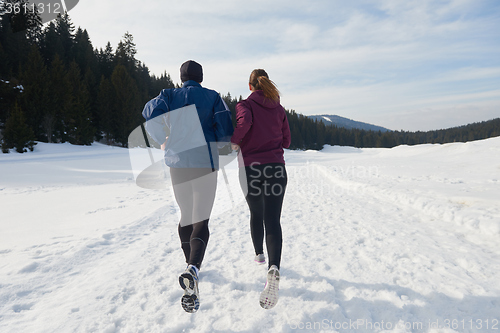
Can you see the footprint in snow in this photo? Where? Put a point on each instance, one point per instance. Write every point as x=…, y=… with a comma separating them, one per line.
x=22, y=307
x=29, y=269
x=106, y=241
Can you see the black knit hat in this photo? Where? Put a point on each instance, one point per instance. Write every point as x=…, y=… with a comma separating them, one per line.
x=191, y=70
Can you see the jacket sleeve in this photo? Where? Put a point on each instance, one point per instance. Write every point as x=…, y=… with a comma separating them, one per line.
x=223, y=123
x=244, y=121
x=287, y=138
x=154, y=112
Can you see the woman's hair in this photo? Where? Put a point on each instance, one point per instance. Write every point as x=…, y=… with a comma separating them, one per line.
x=260, y=81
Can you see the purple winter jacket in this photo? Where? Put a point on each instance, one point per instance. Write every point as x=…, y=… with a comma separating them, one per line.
x=262, y=130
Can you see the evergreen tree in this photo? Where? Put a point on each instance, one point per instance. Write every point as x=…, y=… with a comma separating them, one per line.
x=160, y=83
x=10, y=91
x=15, y=29
x=126, y=105
x=231, y=104
x=320, y=135
x=59, y=98
x=90, y=82
x=105, y=109
x=358, y=139
x=388, y=140
x=65, y=31
x=5, y=66
x=77, y=113
x=105, y=59
x=4, y=58
x=84, y=52
x=35, y=98
x=125, y=53
x=17, y=133
x=84, y=133
x=51, y=44
x=21, y=20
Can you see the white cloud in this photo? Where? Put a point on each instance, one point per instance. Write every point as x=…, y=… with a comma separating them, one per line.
x=440, y=117
x=326, y=56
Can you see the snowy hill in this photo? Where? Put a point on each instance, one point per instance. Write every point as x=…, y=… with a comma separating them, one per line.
x=347, y=123
x=392, y=240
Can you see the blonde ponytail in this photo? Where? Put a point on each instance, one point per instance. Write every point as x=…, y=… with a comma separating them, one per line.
x=260, y=81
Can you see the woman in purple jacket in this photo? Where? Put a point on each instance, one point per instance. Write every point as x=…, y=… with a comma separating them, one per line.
x=261, y=133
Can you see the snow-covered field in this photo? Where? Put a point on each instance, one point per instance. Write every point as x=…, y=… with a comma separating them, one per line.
x=375, y=240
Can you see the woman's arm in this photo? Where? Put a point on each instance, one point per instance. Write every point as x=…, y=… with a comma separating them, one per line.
x=244, y=122
x=287, y=138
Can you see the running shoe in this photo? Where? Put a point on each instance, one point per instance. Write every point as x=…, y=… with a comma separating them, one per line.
x=260, y=258
x=269, y=297
x=188, y=280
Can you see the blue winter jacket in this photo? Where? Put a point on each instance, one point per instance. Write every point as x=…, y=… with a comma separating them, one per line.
x=213, y=116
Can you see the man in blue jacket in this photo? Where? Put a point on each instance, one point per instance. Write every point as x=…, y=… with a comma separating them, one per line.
x=191, y=123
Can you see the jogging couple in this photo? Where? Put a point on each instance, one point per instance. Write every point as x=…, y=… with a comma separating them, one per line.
x=191, y=123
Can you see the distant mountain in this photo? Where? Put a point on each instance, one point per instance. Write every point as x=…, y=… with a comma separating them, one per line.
x=347, y=123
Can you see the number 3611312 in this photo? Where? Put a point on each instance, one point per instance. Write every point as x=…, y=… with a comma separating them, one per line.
x=40, y=8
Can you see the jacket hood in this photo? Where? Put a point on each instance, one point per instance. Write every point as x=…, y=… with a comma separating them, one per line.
x=259, y=98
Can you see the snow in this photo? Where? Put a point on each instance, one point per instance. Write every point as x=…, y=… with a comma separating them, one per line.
x=19, y=87
x=375, y=240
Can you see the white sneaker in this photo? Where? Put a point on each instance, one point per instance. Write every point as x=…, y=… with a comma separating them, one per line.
x=260, y=258
x=188, y=280
x=269, y=297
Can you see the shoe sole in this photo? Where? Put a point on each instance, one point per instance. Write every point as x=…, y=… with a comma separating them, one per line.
x=269, y=297
x=190, y=301
x=186, y=281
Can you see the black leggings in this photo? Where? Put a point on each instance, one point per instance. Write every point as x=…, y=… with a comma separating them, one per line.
x=266, y=185
x=194, y=191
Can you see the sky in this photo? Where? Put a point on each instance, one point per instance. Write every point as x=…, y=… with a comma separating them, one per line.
x=404, y=65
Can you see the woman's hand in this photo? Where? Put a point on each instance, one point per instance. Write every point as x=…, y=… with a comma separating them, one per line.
x=234, y=146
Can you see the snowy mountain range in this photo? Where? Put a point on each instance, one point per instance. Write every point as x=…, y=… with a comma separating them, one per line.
x=347, y=123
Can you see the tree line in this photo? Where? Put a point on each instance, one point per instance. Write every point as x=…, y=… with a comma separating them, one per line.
x=314, y=134
x=56, y=87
